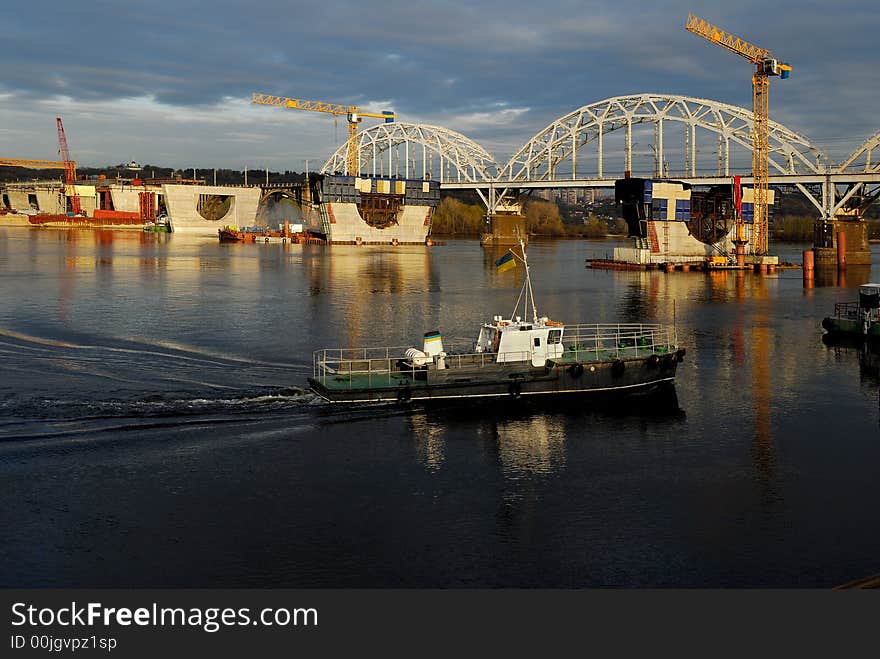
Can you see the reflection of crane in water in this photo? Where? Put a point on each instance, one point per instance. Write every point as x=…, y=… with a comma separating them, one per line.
x=763, y=451
x=751, y=340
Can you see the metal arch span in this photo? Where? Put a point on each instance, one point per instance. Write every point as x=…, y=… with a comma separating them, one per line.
x=562, y=140
x=417, y=151
x=864, y=158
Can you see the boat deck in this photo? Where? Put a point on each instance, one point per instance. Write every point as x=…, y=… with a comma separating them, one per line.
x=340, y=369
x=372, y=378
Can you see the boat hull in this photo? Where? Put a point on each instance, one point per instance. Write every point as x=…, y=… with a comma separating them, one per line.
x=618, y=377
x=850, y=327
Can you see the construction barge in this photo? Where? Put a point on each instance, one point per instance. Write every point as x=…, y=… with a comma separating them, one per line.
x=286, y=233
x=355, y=210
x=674, y=226
x=707, y=265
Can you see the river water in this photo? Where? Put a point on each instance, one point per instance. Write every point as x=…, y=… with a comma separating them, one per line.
x=155, y=429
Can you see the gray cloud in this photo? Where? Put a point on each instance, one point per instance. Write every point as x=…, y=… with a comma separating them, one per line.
x=170, y=81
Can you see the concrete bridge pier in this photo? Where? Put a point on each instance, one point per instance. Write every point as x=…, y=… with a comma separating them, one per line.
x=852, y=233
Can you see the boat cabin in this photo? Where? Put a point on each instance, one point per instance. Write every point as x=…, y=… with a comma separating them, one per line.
x=869, y=296
x=516, y=340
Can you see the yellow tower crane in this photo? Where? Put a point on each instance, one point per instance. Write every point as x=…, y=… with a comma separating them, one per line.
x=352, y=112
x=767, y=66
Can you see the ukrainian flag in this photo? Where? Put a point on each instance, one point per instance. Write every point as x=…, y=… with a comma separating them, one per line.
x=506, y=262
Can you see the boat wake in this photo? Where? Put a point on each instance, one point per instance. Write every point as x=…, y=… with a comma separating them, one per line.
x=44, y=417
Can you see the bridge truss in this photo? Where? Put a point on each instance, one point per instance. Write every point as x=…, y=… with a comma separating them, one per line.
x=695, y=140
x=417, y=151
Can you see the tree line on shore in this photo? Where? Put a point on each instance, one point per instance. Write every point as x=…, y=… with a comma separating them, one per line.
x=457, y=218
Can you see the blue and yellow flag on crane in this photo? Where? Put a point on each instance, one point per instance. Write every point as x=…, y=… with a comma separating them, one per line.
x=506, y=262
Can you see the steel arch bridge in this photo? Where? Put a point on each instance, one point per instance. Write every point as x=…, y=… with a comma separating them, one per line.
x=573, y=151
x=563, y=140
x=458, y=158
x=863, y=159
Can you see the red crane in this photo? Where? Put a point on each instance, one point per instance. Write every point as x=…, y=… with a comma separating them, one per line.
x=70, y=167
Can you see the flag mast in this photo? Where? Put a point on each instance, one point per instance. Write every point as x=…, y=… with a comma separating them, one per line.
x=527, y=285
x=525, y=261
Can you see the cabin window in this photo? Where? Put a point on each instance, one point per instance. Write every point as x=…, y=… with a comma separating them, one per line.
x=537, y=341
x=555, y=337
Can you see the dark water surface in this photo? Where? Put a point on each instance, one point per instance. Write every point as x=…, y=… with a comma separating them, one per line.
x=154, y=429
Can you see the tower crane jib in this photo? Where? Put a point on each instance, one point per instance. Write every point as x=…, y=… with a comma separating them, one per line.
x=766, y=66
x=353, y=114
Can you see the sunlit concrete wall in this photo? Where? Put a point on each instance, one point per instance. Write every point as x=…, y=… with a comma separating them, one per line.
x=126, y=198
x=48, y=200
x=182, y=200
x=346, y=225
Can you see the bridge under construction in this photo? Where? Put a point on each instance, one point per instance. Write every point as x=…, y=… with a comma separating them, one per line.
x=393, y=170
x=699, y=142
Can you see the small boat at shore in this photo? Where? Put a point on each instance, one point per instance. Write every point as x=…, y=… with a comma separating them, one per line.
x=521, y=355
x=161, y=225
x=859, y=319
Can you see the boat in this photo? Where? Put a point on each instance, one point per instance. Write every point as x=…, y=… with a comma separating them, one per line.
x=161, y=225
x=859, y=319
x=512, y=357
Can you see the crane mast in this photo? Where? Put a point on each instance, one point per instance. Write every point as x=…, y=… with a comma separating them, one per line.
x=70, y=169
x=353, y=114
x=766, y=66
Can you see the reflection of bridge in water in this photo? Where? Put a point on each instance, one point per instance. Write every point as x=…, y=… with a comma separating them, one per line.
x=595, y=144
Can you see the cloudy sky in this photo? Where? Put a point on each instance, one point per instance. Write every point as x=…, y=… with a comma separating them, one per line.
x=170, y=82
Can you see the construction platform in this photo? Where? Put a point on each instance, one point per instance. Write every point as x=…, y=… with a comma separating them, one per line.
x=690, y=266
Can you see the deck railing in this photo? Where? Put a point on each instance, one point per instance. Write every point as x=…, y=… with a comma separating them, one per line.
x=849, y=310
x=603, y=342
x=580, y=343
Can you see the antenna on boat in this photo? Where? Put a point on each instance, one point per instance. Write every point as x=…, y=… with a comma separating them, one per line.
x=527, y=284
